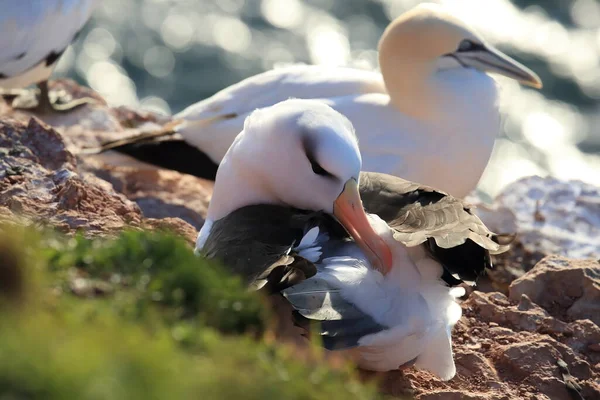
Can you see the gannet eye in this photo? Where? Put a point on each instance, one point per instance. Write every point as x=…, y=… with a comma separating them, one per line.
x=465, y=45
x=469, y=45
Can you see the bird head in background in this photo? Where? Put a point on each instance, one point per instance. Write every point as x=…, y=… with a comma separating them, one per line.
x=429, y=32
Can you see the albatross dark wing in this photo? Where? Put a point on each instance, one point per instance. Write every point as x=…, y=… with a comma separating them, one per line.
x=319, y=305
x=257, y=242
x=288, y=271
x=451, y=231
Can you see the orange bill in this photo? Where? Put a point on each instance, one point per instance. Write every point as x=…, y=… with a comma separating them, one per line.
x=348, y=209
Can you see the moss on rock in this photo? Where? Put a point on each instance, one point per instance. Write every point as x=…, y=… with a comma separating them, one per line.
x=140, y=317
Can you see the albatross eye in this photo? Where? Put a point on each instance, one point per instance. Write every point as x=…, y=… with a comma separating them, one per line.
x=309, y=146
x=317, y=169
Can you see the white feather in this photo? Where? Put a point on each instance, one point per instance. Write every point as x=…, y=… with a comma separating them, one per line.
x=390, y=141
x=309, y=238
x=203, y=234
x=436, y=127
x=312, y=254
x=310, y=244
x=411, y=299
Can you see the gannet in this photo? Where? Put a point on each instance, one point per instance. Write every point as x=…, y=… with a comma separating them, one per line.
x=287, y=215
x=431, y=116
x=33, y=36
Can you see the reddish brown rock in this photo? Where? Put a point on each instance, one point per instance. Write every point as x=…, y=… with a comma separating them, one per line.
x=569, y=289
x=174, y=225
x=495, y=308
x=40, y=182
x=159, y=193
x=535, y=362
x=585, y=338
x=505, y=347
x=550, y=216
x=539, y=356
x=461, y=395
x=509, y=350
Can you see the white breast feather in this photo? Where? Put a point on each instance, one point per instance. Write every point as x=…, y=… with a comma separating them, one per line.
x=412, y=300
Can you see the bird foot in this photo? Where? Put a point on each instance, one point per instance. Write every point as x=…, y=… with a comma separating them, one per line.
x=10, y=94
x=43, y=101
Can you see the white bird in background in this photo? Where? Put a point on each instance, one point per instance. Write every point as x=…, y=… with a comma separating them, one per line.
x=431, y=116
x=383, y=297
x=33, y=36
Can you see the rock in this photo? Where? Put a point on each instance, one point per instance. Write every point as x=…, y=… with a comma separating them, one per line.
x=527, y=316
x=539, y=356
x=506, y=345
x=585, y=339
x=536, y=362
x=38, y=143
x=567, y=288
x=175, y=225
x=159, y=193
x=92, y=124
x=87, y=119
x=458, y=395
x=474, y=364
x=549, y=216
x=520, y=342
x=40, y=182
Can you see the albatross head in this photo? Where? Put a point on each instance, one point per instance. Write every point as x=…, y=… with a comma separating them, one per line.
x=302, y=154
x=430, y=34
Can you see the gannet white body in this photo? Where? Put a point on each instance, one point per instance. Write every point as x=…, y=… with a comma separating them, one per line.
x=431, y=116
x=33, y=36
x=383, y=295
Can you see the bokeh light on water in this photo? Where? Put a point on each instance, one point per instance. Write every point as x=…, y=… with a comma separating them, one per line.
x=164, y=55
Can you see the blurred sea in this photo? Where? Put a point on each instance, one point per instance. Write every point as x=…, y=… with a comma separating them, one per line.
x=166, y=54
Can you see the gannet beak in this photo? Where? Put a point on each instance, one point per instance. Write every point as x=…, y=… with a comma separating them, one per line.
x=348, y=209
x=487, y=58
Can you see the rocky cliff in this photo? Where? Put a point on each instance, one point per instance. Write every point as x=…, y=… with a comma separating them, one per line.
x=530, y=330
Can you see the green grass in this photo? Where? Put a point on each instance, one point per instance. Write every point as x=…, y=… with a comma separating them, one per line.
x=139, y=317
x=153, y=268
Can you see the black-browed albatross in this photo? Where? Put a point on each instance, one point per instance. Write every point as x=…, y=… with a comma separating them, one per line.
x=286, y=214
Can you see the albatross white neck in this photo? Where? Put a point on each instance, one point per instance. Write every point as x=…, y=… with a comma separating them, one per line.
x=235, y=190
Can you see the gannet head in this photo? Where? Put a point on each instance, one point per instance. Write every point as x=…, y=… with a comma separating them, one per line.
x=428, y=32
x=302, y=154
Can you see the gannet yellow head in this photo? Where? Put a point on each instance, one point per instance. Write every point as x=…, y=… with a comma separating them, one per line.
x=428, y=32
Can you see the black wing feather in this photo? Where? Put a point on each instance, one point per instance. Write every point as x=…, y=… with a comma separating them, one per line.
x=448, y=227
